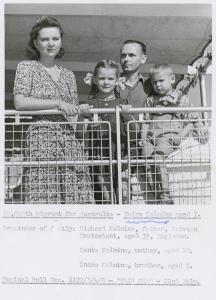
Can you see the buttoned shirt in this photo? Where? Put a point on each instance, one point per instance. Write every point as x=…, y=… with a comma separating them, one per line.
x=169, y=122
x=135, y=95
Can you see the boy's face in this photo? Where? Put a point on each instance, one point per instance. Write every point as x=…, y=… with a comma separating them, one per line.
x=105, y=80
x=162, y=82
x=132, y=57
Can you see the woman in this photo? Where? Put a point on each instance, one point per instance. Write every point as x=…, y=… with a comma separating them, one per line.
x=42, y=84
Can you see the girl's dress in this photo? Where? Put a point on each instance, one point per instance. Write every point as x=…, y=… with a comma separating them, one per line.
x=103, y=139
x=50, y=141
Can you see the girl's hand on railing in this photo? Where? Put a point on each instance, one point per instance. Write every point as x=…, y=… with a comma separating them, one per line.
x=68, y=108
x=125, y=107
x=84, y=108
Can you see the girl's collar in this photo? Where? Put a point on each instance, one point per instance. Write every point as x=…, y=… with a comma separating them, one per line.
x=107, y=99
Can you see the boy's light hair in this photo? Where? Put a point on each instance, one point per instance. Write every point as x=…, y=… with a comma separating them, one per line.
x=157, y=68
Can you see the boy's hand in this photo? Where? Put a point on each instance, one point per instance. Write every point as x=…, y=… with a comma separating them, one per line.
x=147, y=148
x=142, y=143
x=192, y=71
x=202, y=132
x=177, y=140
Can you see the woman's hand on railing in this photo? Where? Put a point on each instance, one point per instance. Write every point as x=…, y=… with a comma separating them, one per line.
x=68, y=108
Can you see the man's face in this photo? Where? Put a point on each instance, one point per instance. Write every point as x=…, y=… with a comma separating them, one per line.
x=132, y=57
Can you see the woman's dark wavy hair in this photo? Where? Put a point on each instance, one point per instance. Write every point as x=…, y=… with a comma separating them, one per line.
x=106, y=64
x=42, y=22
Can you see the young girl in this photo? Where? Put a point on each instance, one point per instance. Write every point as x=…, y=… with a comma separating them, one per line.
x=104, y=94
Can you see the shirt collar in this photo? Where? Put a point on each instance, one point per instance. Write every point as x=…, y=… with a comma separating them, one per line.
x=170, y=98
x=123, y=80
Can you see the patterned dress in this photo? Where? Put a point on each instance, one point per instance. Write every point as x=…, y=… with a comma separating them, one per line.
x=50, y=141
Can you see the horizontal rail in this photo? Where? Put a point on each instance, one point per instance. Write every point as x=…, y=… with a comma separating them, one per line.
x=102, y=162
x=13, y=112
x=58, y=163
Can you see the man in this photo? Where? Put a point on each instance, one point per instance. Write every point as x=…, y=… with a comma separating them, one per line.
x=135, y=89
x=132, y=57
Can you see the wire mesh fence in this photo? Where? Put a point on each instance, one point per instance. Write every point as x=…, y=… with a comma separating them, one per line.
x=82, y=163
x=48, y=162
x=168, y=168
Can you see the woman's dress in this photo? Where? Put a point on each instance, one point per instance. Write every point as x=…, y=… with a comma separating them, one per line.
x=50, y=142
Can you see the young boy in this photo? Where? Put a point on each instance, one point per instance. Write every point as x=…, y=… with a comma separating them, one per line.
x=165, y=131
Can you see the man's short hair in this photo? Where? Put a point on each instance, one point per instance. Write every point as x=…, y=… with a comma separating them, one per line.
x=142, y=45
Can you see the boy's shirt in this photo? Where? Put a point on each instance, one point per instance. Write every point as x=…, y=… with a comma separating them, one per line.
x=168, y=122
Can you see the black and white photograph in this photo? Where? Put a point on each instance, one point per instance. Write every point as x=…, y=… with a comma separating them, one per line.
x=108, y=103
x=109, y=106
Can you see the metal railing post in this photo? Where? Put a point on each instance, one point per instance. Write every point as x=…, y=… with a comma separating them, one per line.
x=203, y=93
x=118, y=136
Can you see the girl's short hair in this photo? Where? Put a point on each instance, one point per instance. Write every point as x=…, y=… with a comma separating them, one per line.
x=40, y=23
x=106, y=64
x=161, y=68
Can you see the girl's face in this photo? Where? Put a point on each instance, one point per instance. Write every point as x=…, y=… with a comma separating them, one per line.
x=105, y=80
x=48, y=42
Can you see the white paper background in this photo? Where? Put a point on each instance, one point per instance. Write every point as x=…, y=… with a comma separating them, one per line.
x=26, y=251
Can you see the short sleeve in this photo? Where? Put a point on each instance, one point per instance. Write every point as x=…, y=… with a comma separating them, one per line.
x=23, y=79
x=72, y=87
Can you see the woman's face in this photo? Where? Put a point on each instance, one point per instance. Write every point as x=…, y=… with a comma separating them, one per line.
x=48, y=42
